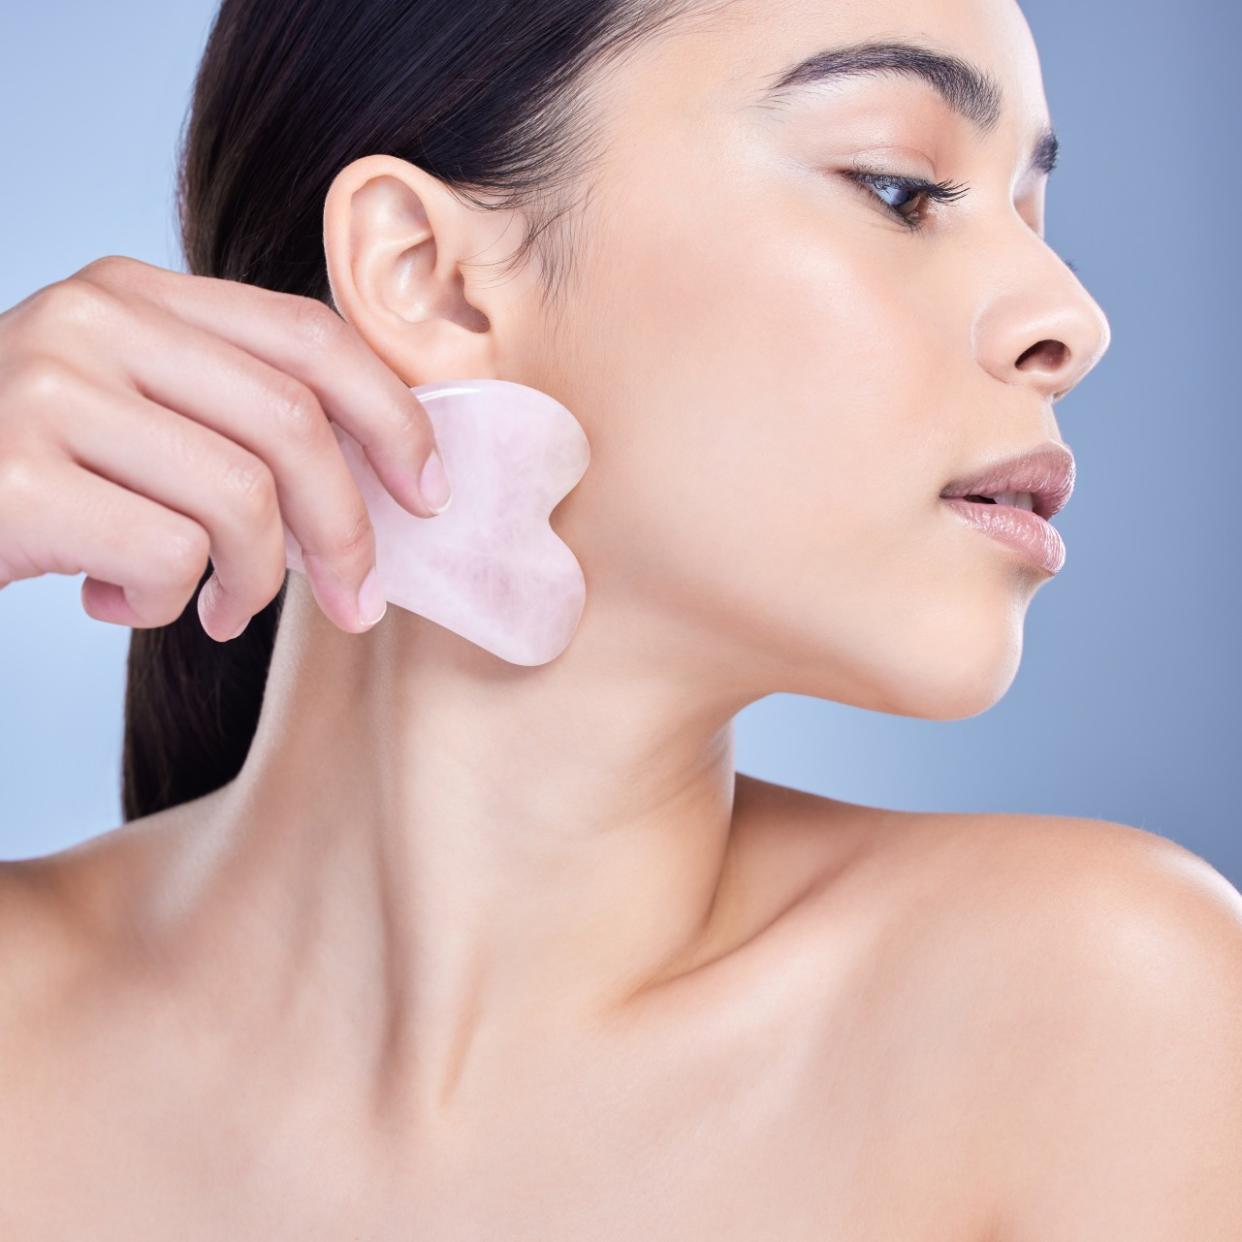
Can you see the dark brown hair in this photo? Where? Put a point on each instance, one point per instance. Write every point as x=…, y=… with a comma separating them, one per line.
x=488, y=95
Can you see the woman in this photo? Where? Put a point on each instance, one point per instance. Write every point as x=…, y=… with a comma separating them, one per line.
x=402, y=941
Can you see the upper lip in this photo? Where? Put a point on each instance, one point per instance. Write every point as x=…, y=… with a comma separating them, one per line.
x=1047, y=472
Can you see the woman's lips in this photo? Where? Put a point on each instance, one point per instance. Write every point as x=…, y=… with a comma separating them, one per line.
x=1026, y=532
x=1047, y=472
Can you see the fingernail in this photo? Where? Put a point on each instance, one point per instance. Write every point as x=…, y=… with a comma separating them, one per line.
x=434, y=484
x=371, y=602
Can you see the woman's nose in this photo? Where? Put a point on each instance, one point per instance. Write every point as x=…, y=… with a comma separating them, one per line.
x=1042, y=330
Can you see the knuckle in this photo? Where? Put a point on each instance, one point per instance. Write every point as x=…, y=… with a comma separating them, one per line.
x=184, y=555
x=297, y=412
x=413, y=427
x=40, y=379
x=68, y=302
x=106, y=267
x=413, y=424
x=356, y=539
x=18, y=485
x=409, y=418
x=317, y=325
x=251, y=486
x=159, y=609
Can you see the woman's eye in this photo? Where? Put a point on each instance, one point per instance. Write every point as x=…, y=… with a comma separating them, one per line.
x=899, y=193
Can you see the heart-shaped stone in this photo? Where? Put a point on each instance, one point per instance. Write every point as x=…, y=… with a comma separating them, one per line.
x=490, y=567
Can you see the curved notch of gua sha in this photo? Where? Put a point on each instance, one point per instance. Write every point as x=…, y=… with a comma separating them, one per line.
x=490, y=567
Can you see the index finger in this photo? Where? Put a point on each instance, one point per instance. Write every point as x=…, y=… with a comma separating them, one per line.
x=309, y=340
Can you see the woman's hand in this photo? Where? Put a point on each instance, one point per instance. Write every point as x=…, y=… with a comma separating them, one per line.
x=150, y=419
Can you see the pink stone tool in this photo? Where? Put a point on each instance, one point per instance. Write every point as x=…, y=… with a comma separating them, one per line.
x=490, y=567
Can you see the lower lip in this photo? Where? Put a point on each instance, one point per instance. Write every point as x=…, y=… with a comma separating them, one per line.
x=1026, y=532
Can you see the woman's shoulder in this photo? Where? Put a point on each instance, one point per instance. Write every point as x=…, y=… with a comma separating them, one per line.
x=42, y=958
x=1085, y=979
x=68, y=885
x=1014, y=895
x=65, y=915
x=966, y=866
x=986, y=909
x=1048, y=982
x=34, y=933
x=1067, y=889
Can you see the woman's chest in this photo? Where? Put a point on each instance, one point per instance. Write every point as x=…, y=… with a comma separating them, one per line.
x=754, y=1130
x=714, y=1182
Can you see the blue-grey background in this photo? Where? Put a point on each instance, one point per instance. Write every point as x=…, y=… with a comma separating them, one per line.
x=1124, y=707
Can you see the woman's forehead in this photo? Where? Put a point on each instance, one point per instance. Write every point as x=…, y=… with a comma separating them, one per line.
x=979, y=54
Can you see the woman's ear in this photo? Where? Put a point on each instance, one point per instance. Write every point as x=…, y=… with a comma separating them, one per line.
x=401, y=250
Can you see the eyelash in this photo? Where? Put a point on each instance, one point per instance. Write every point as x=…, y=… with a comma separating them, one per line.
x=937, y=191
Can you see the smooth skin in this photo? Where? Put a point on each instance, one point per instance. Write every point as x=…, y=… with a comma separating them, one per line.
x=476, y=951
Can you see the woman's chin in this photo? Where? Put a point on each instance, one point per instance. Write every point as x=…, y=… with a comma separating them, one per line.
x=963, y=682
x=956, y=664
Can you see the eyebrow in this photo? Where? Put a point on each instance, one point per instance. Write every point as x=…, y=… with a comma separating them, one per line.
x=968, y=90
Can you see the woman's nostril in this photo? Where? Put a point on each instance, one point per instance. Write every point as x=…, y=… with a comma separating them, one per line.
x=1055, y=352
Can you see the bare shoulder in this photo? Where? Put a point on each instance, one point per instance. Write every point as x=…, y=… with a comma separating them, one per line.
x=1031, y=1024
x=35, y=941
x=1062, y=916
x=1116, y=1076
x=1053, y=1003
x=1069, y=899
x=1070, y=991
x=1080, y=886
x=67, y=917
x=961, y=869
x=1042, y=907
x=42, y=962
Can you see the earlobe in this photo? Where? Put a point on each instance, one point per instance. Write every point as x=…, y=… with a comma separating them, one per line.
x=395, y=242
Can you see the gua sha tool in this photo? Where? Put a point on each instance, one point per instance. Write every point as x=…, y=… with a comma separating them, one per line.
x=489, y=567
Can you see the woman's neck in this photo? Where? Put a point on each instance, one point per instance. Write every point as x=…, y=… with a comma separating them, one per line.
x=464, y=848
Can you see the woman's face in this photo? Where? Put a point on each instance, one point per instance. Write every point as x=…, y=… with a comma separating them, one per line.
x=779, y=377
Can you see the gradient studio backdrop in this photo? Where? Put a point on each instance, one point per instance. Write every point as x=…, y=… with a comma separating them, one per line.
x=1125, y=704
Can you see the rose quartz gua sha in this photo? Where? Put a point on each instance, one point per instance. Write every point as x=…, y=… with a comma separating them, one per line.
x=490, y=567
